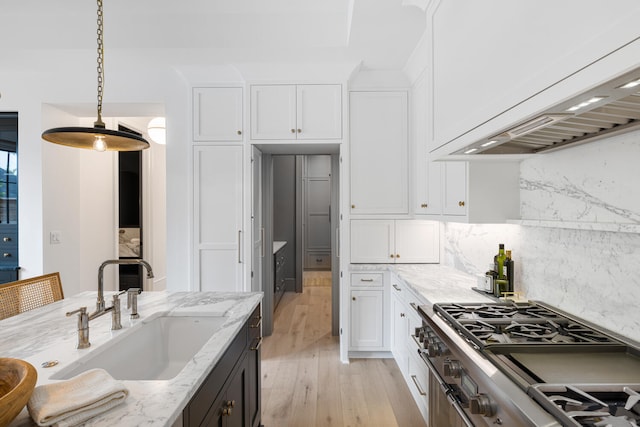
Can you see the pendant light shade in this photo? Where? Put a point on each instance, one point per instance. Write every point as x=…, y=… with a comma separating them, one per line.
x=98, y=137
x=95, y=138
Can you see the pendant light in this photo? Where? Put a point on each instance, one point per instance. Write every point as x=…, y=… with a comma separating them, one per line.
x=97, y=138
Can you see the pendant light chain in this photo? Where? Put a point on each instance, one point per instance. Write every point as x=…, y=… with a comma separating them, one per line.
x=99, y=121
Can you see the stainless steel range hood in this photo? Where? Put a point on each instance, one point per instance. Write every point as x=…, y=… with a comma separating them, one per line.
x=606, y=110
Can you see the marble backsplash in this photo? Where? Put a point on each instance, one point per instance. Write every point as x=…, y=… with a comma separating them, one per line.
x=592, y=274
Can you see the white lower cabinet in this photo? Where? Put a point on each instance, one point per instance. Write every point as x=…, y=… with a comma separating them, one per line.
x=369, y=313
x=404, y=321
x=398, y=323
x=366, y=319
x=417, y=379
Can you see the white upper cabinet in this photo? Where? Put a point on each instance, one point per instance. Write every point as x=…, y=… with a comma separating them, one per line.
x=497, y=55
x=379, y=153
x=394, y=241
x=475, y=192
x=217, y=114
x=319, y=112
x=282, y=112
x=454, y=183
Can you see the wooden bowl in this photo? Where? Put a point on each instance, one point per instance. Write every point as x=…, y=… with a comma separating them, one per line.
x=17, y=381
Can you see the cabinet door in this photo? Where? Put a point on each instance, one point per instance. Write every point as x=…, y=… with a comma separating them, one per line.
x=434, y=188
x=273, y=112
x=398, y=326
x=217, y=218
x=254, y=365
x=417, y=241
x=455, y=188
x=217, y=114
x=372, y=241
x=319, y=112
x=418, y=383
x=237, y=397
x=379, y=153
x=367, y=320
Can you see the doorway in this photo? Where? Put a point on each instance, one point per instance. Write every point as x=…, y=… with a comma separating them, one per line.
x=300, y=197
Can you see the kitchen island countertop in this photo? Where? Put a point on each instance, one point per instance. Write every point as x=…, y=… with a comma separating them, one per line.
x=47, y=334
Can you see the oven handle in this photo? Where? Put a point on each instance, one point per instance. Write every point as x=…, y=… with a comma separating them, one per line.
x=456, y=405
x=447, y=391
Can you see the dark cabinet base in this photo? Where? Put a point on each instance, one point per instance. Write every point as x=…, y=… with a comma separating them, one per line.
x=231, y=394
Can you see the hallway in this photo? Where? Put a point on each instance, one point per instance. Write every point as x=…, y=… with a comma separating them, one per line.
x=305, y=384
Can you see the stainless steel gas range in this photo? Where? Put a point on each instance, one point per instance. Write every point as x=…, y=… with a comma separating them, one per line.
x=526, y=364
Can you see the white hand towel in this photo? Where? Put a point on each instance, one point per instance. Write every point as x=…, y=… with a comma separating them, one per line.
x=72, y=402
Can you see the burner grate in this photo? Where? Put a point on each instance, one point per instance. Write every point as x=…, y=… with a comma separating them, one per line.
x=591, y=405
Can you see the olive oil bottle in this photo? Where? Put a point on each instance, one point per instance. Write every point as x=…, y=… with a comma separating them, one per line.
x=500, y=284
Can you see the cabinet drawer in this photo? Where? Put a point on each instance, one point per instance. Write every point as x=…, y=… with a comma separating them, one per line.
x=418, y=382
x=367, y=279
x=318, y=260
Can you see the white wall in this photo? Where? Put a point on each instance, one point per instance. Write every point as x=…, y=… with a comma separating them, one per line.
x=73, y=191
x=593, y=274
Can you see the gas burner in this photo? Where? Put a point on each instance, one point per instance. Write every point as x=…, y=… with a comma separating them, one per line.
x=535, y=332
x=591, y=405
x=495, y=311
x=481, y=329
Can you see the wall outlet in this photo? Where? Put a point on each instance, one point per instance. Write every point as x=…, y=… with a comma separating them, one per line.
x=55, y=237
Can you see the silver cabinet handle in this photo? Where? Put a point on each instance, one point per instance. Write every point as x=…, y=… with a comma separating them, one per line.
x=397, y=288
x=366, y=280
x=415, y=382
x=337, y=242
x=258, y=344
x=239, y=246
x=262, y=249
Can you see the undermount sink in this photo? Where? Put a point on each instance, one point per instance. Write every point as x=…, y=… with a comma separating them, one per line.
x=157, y=349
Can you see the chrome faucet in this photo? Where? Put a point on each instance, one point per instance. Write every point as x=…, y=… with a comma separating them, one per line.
x=84, y=317
x=100, y=307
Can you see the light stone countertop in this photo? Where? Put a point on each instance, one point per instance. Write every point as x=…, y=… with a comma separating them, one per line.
x=435, y=283
x=278, y=245
x=46, y=334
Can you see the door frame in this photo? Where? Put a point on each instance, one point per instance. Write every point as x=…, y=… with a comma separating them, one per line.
x=267, y=217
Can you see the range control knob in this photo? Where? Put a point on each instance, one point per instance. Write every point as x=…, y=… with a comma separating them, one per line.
x=433, y=350
x=452, y=368
x=482, y=404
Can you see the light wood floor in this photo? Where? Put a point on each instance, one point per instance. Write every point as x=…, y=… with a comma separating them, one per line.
x=305, y=384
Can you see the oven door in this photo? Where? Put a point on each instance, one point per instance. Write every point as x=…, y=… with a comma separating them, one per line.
x=444, y=409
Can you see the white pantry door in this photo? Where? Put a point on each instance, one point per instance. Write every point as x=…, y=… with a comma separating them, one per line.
x=218, y=236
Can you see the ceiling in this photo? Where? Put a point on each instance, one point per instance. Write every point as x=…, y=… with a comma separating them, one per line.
x=379, y=34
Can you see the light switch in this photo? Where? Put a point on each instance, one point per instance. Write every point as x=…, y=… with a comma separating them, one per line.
x=54, y=237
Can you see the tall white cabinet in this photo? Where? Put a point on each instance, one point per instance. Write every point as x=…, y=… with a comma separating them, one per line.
x=217, y=168
x=379, y=150
x=217, y=253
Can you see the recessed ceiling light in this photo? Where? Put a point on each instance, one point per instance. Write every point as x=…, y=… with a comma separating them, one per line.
x=586, y=103
x=471, y=150
x=486, y=144
x=629, y=85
